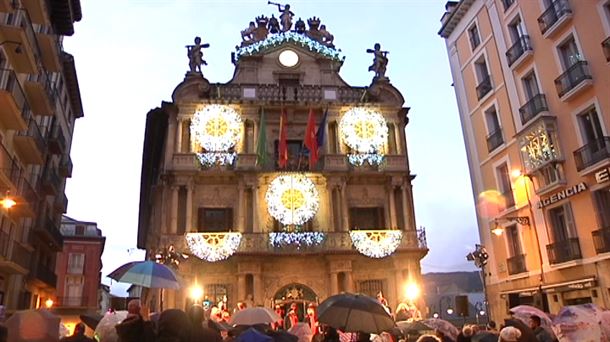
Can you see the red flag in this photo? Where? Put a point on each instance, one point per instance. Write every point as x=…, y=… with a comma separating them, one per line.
x=311, y=141
x=283, y=145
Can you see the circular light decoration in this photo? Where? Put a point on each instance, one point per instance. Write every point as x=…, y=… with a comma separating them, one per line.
x=213, y=247
x=376, y=243
x=292, y=199
x=364, y=130
x=216, y=128
x=288, y=58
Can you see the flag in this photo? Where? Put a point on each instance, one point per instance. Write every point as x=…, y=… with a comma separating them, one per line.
x=283, y=145
x=320, y=133
x=311, y=141
x=261, y=144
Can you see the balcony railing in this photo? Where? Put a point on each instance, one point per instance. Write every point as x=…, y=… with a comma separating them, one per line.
x=518, y=49
x=61, y=203
x=50, y=183
x=282, y=93
x=45, y=275
x=572, y=77
x=57, y=140
x=606, y=47
x=516, y=264
x=75, y=301
x=562, y=251
x=28, y=199
x=601, y=240
x=33, y=132
x=9, y=169
x=593, y=152
x=509, y=198
x=11, y=90
x=556, y=11
x=533, y=107
x=484, y=87
x=50, y=231
x=494, y=140
x=20, y=255
x=65, y=167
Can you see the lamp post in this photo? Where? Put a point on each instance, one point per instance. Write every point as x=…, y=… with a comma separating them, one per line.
x=480, y=256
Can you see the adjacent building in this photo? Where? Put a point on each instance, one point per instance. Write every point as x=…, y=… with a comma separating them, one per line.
x=78, y=268
x=230, y=176
x=39, y=104
x=531, y=81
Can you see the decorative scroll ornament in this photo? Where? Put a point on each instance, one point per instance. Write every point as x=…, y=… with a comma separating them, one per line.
x=300, y=239
x=213, y=247
x=365, y=131
x=376, y=243
x=216, y=129
x=292, y=199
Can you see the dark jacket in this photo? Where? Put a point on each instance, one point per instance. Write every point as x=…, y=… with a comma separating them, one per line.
x=542, y=335
x=135, y=329
x=77, y=338
x=174, y=325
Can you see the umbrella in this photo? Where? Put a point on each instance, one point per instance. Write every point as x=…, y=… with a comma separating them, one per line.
x=406, y=326
x=527, y=334
x=524, y=312
x=91, y=320
x=256, y=315
x=354, y=313
x=443, y=326
x=283, y=336
x=578, y=323
x=302, y=331
x=146, y=273
x=105, y=330
x=253, y=335
x=33, y=326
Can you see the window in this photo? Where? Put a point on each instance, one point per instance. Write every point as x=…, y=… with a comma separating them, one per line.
x=366, y=218
x=74, y=291
x=530, y=85
x=569, y=53
x=79, y=230
x=607, y=12
x=507, y=4
x=370, y=287
x=504, y=183
x=298, y=159
x=216, y=293
x=602, y=204
x=548, y=175
x=514, y=242
x=482, y=75
x=516, y=29
x=494, y=130
x=591, y=129
x=76, y=263
x=215, y=219
x=473, y=34
x=562, y=223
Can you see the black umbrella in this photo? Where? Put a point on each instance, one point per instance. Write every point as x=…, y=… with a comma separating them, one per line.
x=355, y=313
x=91, y=320
x=406, y=326
x=527, y=334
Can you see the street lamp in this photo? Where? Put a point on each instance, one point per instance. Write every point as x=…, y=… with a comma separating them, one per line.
x=450, y=311
x=7, y=202
x=412, y=292
x=196, y=293
x=48, y=303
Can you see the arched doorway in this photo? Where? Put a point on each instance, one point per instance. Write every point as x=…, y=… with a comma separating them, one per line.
x=295, y=293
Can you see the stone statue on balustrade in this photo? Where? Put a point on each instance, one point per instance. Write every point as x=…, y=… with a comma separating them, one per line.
x=195, y=55
x=285, y=16
x=319, y=33
x=380, y=62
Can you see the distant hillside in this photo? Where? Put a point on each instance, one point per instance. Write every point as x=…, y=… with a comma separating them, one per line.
x=466, y=281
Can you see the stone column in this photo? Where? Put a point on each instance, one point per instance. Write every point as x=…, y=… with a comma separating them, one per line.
x=334, y=283
x=344, y=209
x=174, y=210
x=190, y=188
x=179, y=127
x=164, y=206
x=255, y=227
x=400, y=284
x=407, y=206
x=240, y=208
x=241, y=287
x=392, y=203
x=331, y=207
x=258, y=289
x=349, y=279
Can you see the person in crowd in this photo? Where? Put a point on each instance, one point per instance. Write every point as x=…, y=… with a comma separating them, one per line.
x=291, y=319
x=134, y=327
x=330, y=335
x=509, y=334
x=312, y=318
x=402, y=312
x=278, y=325
x=201, y=332
x=492, y=327
x=3, y=333
x=465, y=335
x=174, y=326
x=364, y=337
x=441, y=336
x=241, y=306
x=541, y=334
x=428, y=338
x=77, y=336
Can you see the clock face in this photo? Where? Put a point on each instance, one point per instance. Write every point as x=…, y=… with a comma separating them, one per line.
x=364, y=130
x=288, y=58
x=216, y=128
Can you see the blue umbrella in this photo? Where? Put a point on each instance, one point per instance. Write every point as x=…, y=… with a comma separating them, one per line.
x=147, y=274
x=253, y=335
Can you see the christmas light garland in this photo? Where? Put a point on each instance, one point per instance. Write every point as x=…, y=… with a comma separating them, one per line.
x=213, y=247
x=376, y=243
x=358, y=159
x=288, y=37
x=298, y=239
x=216, y=128
x=210, y=159
x=292, y=199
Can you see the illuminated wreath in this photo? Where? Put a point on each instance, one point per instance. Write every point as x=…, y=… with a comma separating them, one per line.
x=376, y=243
x=216, y=128
x=292, y=199
x=213, y=247
x=364, y=130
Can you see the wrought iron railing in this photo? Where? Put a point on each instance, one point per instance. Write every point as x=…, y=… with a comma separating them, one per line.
x=9, y=82
x=27, y=192
x=562, y=251
x=20, y=255
x=33, y=132
x=518, y=49
x=46, y=275
x=9, y=166
x=484, y=87
x=601, y=240
x=593, y=152
x=572, y=77
x=57, y=140
x=533, y=107
x=557, y=10
x=516, y=264
x=494, y=139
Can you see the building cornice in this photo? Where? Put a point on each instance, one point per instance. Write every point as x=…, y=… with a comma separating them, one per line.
x=455, y=17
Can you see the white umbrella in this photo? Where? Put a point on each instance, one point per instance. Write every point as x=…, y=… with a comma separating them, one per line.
x=105, y=330
x=302, y=331
x=253, y=316
x=33, y=326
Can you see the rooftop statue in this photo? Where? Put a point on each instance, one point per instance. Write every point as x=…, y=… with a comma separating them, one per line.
x=319, y=33
x=248, y=33
x=195, y=55
x=380, y=62
x=261, y=31
x=285, y=16
x=299, y=27
x=274, y=25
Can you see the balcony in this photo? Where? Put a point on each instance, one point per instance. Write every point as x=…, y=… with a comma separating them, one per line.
x=575, y=79
x=27, y=200
x=14, y=258
x=61, y=203
x=394, y=162
x=22, y=48
x=494, y=140
x=484, y=87
x=13, y=104
x=601, y=240
x=72, y=302
x=30, y=144
x=50, y=183
x=519, y=52
x=516, y=264
x=65, y=167
x=606, y=48
x=592, y=153
x=39, y=94
x=280, y=93
x=48, y=230
x=335, y=163
x=554, y=17
x=533, y=107
x=57, y=140
x=44, y=276
x=37, y=10
x=50, y=50
x=185, y=162
x=563, y=251
x=9, y=169
x=246, y=162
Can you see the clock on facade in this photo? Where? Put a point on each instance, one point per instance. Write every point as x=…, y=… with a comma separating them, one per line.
x=288, y=58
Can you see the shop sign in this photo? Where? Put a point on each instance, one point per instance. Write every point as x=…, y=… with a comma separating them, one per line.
x=563, y=194
x=573, y=287
x=602, y=176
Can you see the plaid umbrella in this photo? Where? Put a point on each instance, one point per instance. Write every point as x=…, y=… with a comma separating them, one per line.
x=147, y=274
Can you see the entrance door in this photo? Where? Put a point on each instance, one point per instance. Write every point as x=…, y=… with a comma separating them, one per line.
x=298, y=294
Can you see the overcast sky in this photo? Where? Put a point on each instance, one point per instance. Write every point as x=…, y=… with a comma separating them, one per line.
x=130, y=55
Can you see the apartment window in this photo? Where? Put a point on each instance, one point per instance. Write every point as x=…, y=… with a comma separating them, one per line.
x=562, y=223
x=607, y=12
x=516, y=29
x=591, y=129
x=76, y=263
x=79, y=230
x=530, y=85
x=482, y=74
x=73, y=291
x=504, y=183
x=548, y=175
x=514, y=242
x=297, y=157
x=569, y=53
x=475, y=38
x=507, y=4
x=494, y=130
x=215, y=219
x=366, y=218
x=602, y=204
